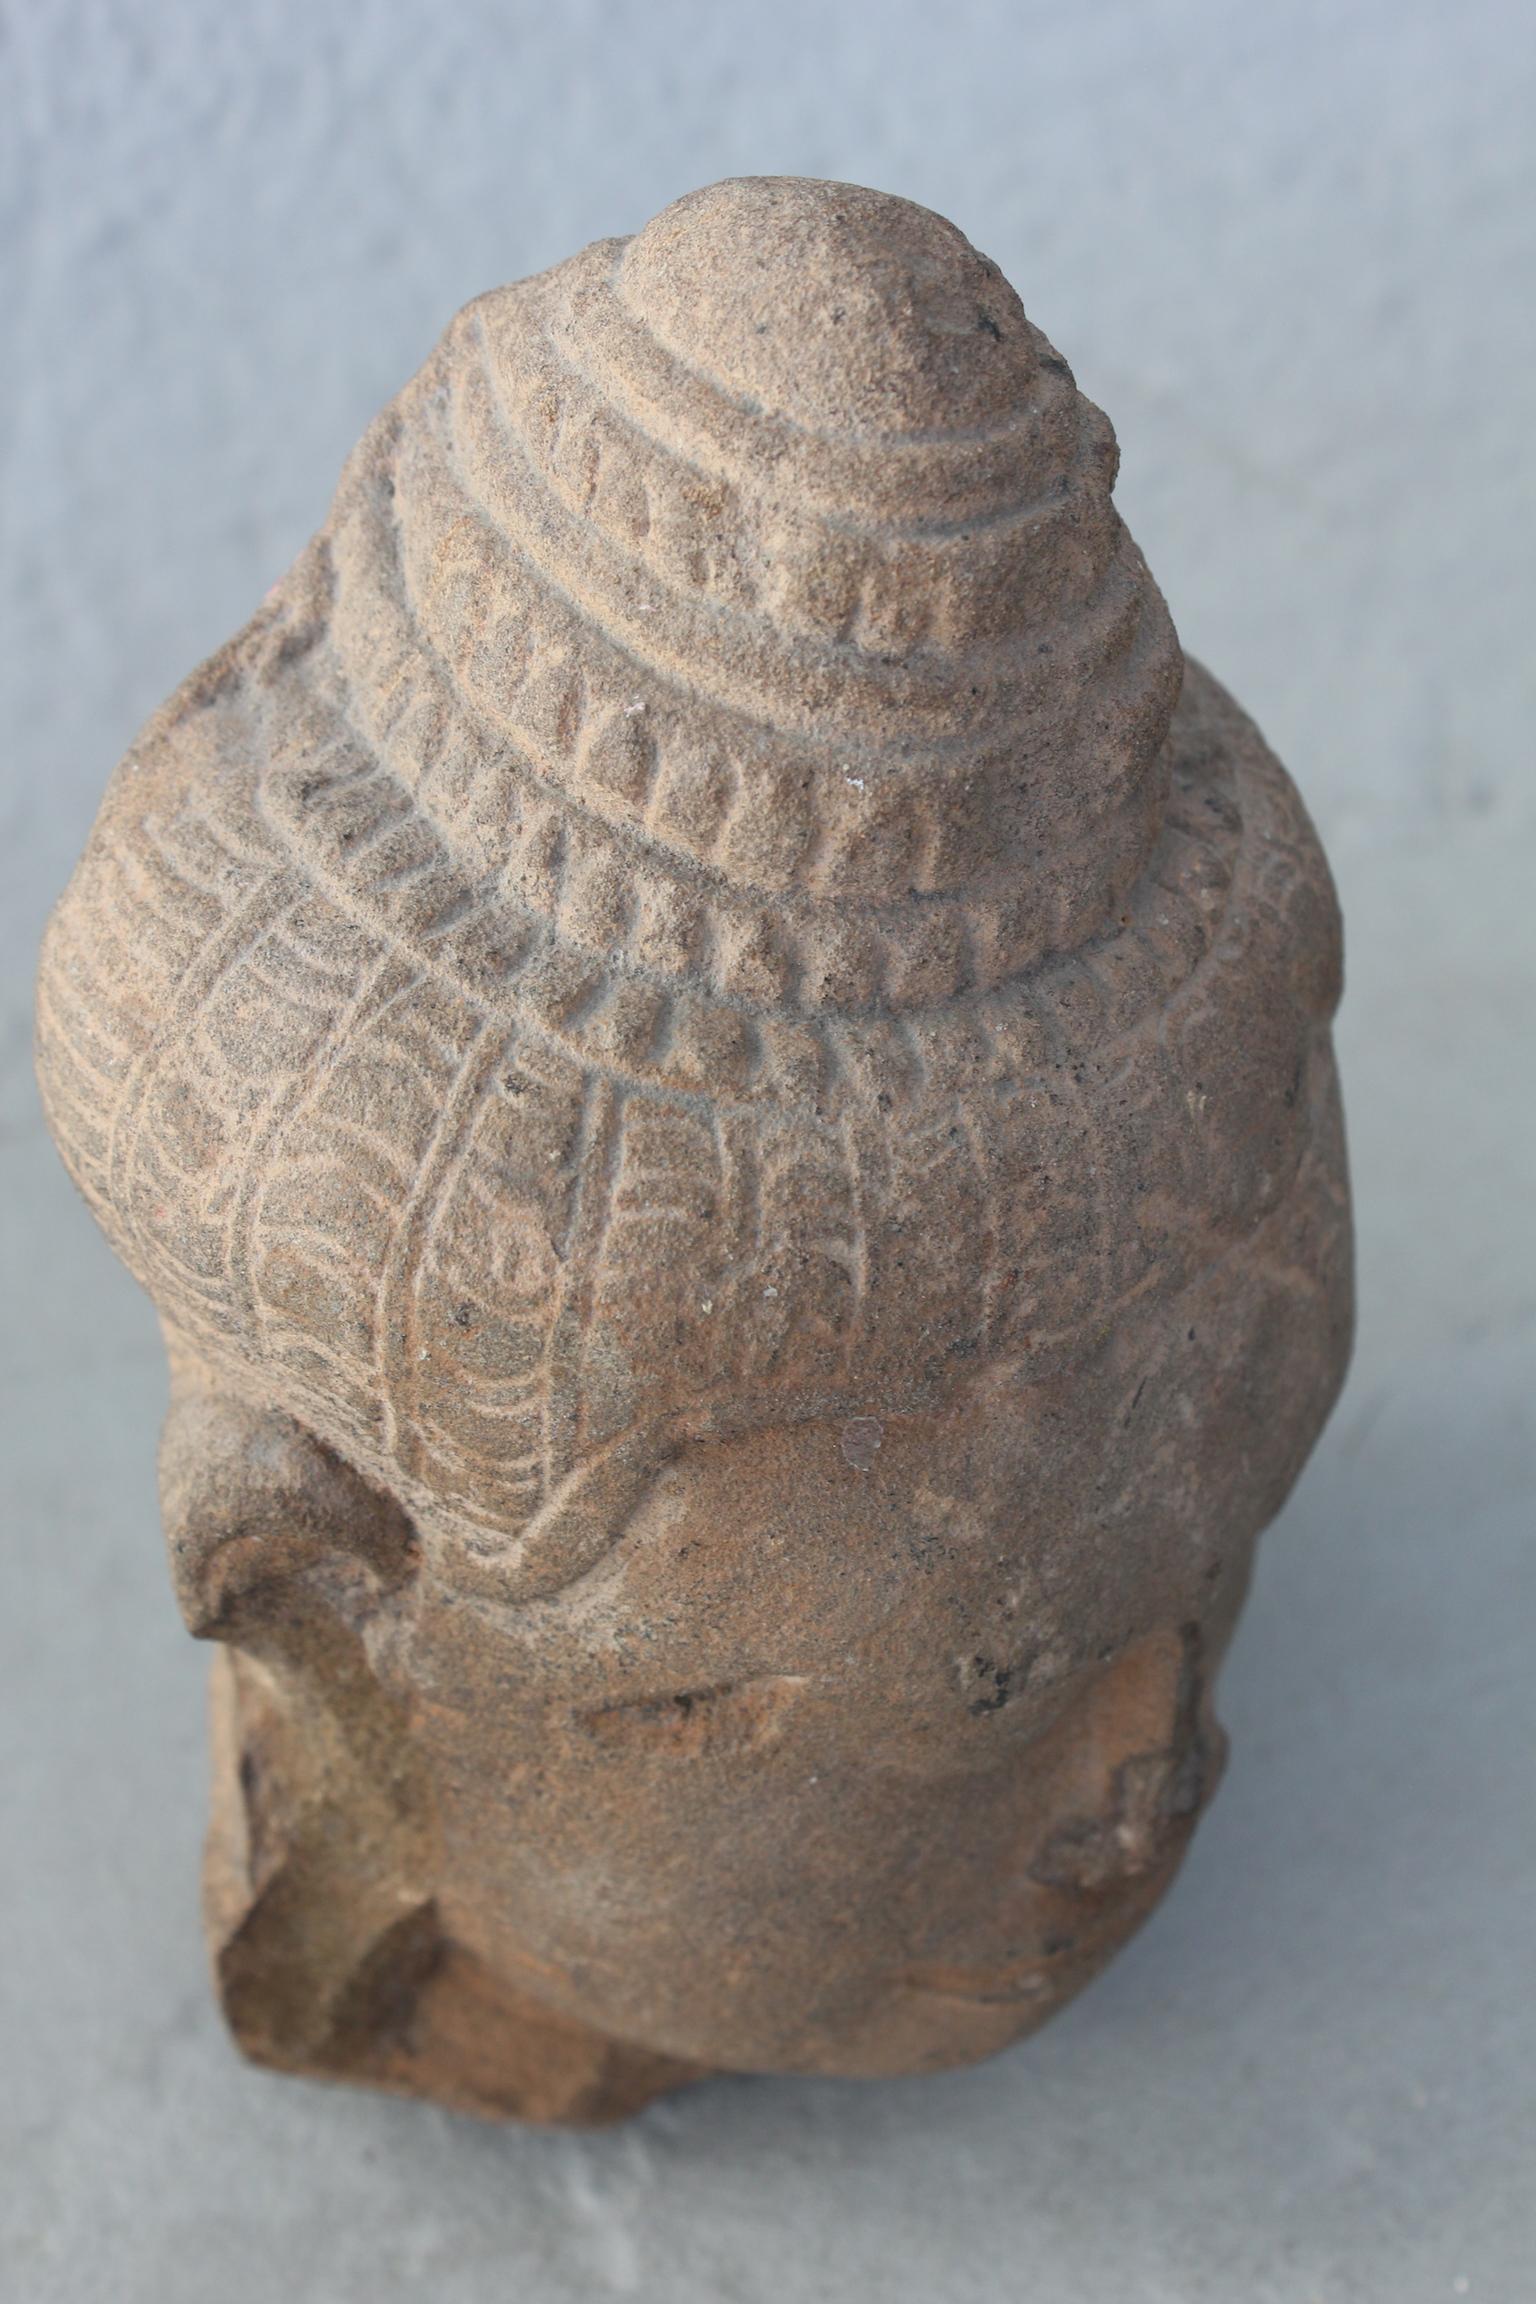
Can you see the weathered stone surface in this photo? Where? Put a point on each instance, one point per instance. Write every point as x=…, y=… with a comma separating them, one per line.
x=718, y=1061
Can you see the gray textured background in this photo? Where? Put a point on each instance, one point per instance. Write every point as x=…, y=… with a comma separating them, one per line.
x=1292, y=249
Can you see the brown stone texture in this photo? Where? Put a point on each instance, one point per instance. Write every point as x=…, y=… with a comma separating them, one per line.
x=717, y=1058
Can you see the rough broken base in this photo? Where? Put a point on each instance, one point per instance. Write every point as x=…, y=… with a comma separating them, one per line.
x=337, y=1977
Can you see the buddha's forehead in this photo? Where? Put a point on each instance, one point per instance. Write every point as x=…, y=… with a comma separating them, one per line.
x=1039, y=1523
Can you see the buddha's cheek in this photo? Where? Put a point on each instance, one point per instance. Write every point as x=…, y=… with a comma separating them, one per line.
x=828, y=1765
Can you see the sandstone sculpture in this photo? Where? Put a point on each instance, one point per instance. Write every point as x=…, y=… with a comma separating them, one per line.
x=718, y=1061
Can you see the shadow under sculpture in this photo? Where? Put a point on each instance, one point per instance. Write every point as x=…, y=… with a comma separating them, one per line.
x=718, y=1060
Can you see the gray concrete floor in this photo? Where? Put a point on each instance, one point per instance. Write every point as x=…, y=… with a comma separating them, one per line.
x=1291, y=249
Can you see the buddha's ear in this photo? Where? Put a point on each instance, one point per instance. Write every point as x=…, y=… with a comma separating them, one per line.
x=252, y=1500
